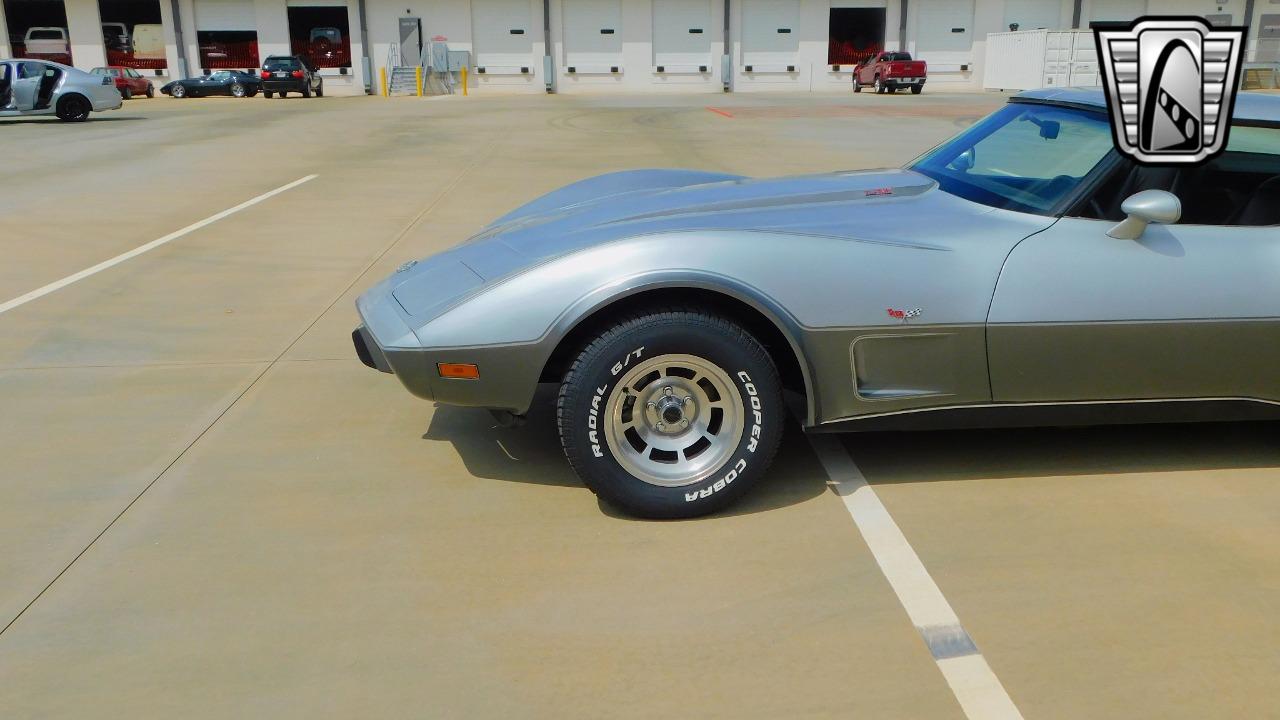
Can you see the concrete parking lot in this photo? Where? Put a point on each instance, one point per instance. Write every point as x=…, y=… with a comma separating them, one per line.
x=210, y=508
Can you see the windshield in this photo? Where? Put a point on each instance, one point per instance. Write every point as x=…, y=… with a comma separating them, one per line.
x=1022, y=157
x=897, y=57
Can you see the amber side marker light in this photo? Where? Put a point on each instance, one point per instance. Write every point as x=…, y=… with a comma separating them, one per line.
x=459, y=371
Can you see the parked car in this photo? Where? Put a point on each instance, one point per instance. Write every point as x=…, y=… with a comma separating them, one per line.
x=115, y=36
x=284, y=74
x=127, y=80
x=221, y=82
x=1022, y=273
x=325, y=48
x=38, y=87
x=48, y=43
x=888, y=71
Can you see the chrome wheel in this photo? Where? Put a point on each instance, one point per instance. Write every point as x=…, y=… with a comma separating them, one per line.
x=673, y=420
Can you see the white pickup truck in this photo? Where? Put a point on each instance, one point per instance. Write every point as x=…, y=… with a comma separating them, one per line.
x=49, y=43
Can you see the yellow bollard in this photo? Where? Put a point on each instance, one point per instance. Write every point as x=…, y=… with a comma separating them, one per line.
x=384, y=83
x=417, y=73
x=464, y=80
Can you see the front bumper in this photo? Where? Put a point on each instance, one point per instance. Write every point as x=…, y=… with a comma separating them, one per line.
x=368, y=351
x=508, y=373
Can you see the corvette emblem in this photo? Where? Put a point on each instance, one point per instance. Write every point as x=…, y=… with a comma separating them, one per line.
x=903, y=315
x=1171, y=86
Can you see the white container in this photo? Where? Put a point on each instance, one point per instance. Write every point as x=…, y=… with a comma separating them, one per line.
x=1028, y=59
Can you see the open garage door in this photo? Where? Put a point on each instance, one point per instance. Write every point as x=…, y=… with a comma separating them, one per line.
x=227, y=35
x=592, y=36
x=502, y=33
x=1033, y=14
x=855, y=30
x=770, y=35
x=682, y=35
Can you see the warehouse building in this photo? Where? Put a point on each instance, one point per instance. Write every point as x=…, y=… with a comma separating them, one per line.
x=570, y=46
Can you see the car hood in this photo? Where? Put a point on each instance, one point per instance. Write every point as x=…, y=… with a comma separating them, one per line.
x=889, y=211
x=880, y=206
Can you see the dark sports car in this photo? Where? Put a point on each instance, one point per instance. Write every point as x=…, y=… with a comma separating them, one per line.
x=222, y=82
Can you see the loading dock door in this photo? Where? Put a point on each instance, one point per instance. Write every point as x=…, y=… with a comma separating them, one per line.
x=770, y=34
x=592, y=36
x=502, y=31
x=1116, y=10
x=944, y=26
x=1033, y=14
x=682, y=34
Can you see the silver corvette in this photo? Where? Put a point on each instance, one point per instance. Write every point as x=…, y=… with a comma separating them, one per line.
x=1023, y=272
x=40, y=87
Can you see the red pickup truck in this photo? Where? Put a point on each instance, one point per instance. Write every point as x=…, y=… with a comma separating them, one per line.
x=888, y=71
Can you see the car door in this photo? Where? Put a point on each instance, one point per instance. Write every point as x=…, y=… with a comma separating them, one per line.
x=1185, y=311
x=26, y=85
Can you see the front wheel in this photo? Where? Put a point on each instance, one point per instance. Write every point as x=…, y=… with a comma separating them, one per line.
x=151, y=91
x=179, y=91
x=127, y=94
x=320, y=89
x=880, y=86
x=917, y=89
x=857, y=86
x=671, y=414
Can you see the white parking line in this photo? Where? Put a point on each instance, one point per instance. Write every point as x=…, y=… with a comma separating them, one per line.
x=105, y=264
x=966, y=671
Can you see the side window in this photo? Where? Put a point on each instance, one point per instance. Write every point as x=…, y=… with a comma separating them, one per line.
x=30, y=70
x=1239, y=187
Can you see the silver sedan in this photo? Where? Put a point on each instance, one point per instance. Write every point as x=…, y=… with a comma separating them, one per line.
x=40, y=87
x=1023, y=272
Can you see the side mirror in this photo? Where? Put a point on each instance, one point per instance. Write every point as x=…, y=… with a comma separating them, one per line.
x=1144, y=208
x=964, y=162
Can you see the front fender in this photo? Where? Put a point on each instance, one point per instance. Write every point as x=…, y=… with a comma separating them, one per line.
x=518, y=323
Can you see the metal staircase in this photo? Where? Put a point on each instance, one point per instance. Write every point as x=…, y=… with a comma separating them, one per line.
x=401, y=79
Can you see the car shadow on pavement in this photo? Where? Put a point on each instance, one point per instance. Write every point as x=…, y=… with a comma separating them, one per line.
x=531, y=453
x=53, y=121
x=903, y=457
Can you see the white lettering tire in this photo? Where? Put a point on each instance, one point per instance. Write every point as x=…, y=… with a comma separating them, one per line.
x=671, y=414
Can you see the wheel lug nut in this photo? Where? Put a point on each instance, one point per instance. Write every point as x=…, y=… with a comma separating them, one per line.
x=653, y=406
x=661, y=426
x=667, y=391
x=688, y=399
x=684, y=423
